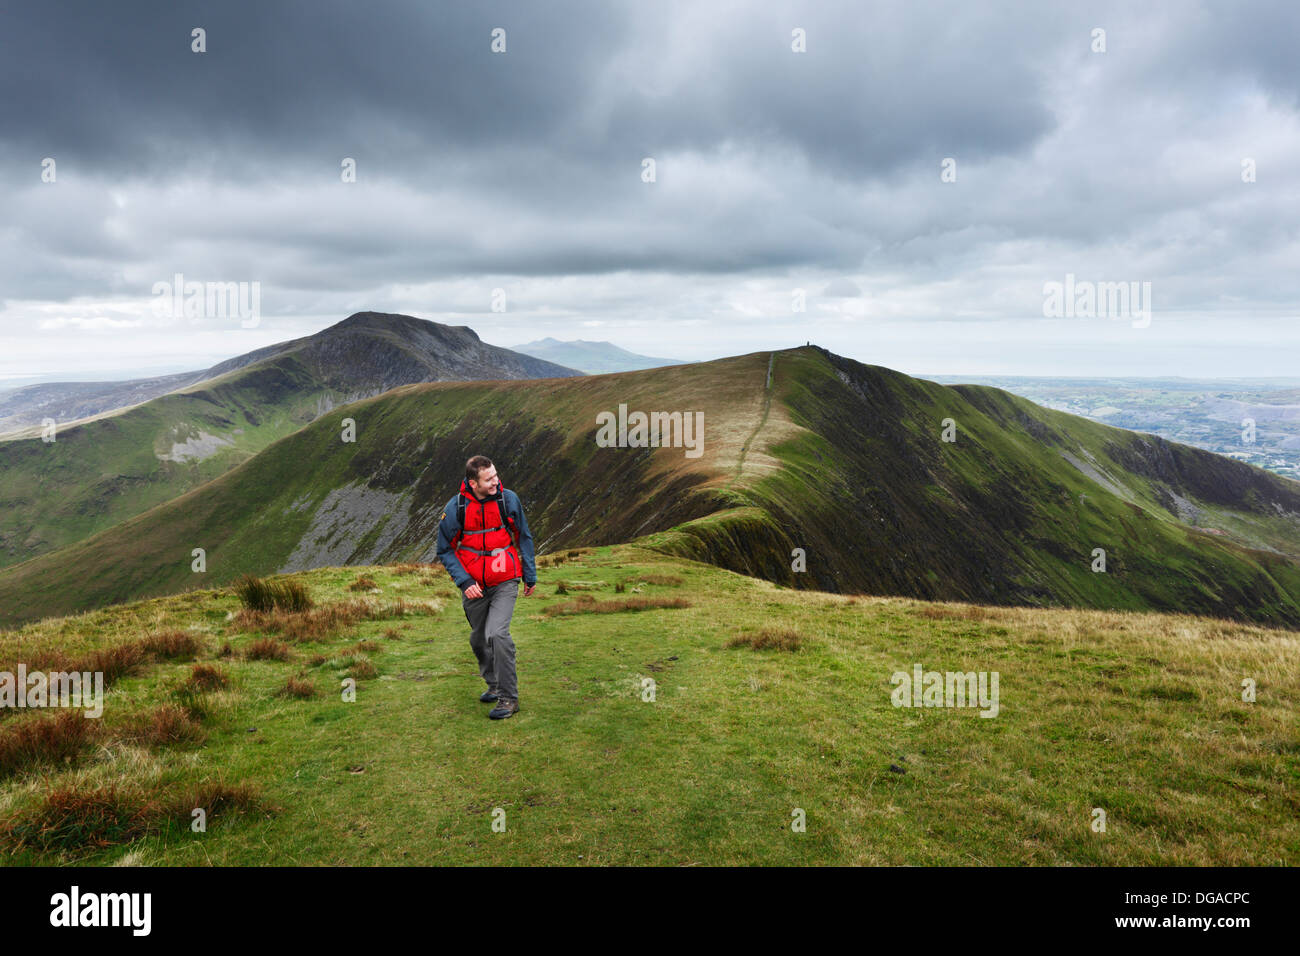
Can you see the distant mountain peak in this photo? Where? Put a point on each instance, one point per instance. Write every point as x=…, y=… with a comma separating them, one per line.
x=397, y=321
x=594, y=358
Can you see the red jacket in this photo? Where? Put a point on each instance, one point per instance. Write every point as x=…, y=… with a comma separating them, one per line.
x=485, y=548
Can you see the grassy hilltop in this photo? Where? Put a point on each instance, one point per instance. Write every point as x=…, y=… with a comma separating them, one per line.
x=1138, y=714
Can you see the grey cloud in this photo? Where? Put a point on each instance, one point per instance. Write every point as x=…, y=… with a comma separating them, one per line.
x=771, y=164
x=841, y=289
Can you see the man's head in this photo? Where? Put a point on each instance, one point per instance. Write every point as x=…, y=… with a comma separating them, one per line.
x=481, y=476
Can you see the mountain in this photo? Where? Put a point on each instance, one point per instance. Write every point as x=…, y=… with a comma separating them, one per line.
x=107, y=468
x=803, y=451
x=23, y=409
x=594, y=358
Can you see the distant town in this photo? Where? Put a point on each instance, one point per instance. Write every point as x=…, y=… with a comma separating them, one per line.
x=1220, y=416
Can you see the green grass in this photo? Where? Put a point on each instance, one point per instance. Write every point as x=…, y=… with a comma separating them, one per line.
x=1140, y=714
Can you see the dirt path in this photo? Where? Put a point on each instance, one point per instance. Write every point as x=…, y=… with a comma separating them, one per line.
x=767, y=405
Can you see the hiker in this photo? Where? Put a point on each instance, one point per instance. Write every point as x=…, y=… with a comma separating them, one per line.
x=485, y=545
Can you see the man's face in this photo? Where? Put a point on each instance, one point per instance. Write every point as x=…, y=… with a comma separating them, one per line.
x=487, y=483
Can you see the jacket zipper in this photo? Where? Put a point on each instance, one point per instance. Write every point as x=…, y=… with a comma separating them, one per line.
x=482, y=540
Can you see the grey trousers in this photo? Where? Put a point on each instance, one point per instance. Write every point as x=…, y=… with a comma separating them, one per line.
x=489, y=621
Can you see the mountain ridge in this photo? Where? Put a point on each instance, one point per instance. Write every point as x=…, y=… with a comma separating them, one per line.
x=112, y=466
x=848, y=465
x=24, y=407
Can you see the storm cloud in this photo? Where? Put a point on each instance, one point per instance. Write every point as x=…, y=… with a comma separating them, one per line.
x=780, y=176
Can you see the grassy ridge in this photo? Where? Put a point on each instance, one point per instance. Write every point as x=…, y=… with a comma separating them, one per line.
x=1139, y=714
x=410, y=444
x=880, y=504
x=840, y=459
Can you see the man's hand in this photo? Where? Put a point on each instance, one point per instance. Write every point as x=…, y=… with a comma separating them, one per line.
x=528, y=589
x=474, y=591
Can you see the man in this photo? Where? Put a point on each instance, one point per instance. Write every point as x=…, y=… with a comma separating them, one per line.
x=485, y=545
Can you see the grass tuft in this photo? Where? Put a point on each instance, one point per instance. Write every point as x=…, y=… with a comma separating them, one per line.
x=363, y=669
x=44, y=741
x=72, y=819
x=205, y=677
x=215, y=799
x=75, y=819
x=165, y=726
x=586, y=604
x=171, y=645
x=767, y=639
x=256, y=594
x=297, y=688
x=267, y=649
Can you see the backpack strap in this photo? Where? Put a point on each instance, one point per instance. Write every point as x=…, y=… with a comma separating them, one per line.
x=506, y=521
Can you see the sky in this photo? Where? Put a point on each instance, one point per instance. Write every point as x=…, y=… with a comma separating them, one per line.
x=900, y=183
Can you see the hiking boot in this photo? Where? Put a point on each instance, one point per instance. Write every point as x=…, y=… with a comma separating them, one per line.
x=487, y=696
x=505, y=708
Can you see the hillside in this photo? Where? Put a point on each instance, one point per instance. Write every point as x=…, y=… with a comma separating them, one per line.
x=102, y=471
x=1139, y=715
x=1210, y=414
x=803, y=449
x=27, y=406
x=594, y=358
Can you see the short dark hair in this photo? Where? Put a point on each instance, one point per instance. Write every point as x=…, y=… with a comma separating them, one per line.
x=476, y=465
